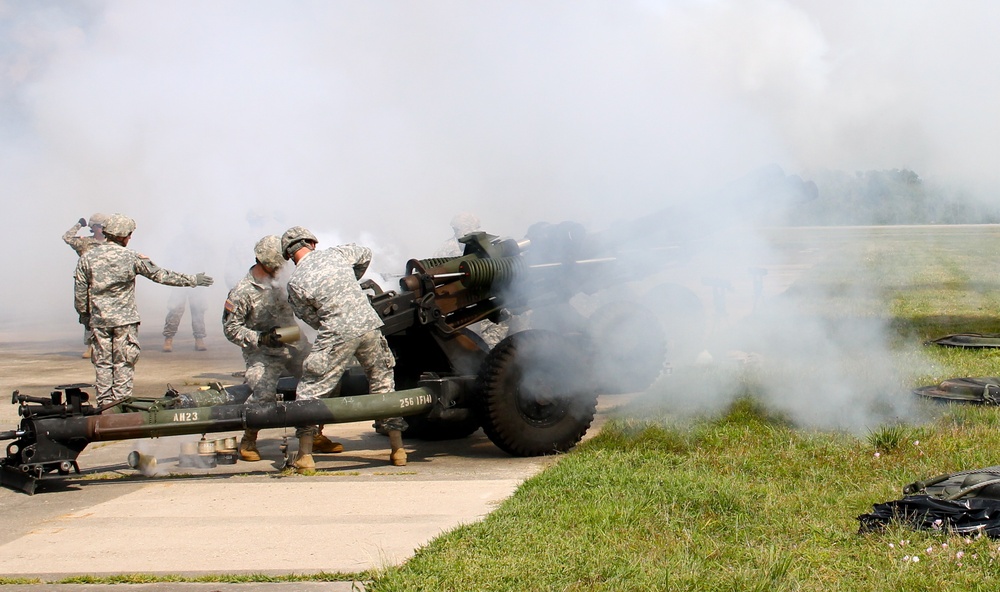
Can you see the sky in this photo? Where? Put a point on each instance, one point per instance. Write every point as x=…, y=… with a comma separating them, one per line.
x=214, y=123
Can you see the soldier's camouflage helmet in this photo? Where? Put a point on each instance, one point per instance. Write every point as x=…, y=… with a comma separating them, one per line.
x=98, y=219
x=119, y=225
x=268, y=252
x=293, y=238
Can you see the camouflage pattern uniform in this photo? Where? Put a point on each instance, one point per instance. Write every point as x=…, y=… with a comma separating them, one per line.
x=80, y=244
x=104, y=292
x=252, y=307
x=175, y=312
x=324, y=292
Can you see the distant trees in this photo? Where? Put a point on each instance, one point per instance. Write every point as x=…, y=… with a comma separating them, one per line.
x=894, y=196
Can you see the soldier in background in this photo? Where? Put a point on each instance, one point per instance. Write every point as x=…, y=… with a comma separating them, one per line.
x=81, y=244
x=178, y=301
x=257, y=306
x=324, y=292
x=461, y=225
x=104, y=297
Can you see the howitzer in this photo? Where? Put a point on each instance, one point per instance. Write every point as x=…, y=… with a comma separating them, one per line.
x=533, y=393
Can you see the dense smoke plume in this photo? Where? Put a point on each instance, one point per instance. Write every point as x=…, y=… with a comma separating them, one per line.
x=213, y=124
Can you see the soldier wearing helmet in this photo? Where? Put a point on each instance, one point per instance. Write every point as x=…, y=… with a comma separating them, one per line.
x=255, y=308
x=324, y=292
x=104, y=297
x=81, y=244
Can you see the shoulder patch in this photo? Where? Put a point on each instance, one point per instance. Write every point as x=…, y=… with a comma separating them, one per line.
x=229, y=305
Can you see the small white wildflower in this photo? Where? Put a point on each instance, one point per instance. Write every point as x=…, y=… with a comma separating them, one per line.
x=906, y=558
x=878, y=454
x=892, y=546
x=944, y=545
x=916, y=442
x=960, y=554
x=916, y=559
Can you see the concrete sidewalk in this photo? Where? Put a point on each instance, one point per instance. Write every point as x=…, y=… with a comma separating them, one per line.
x=357, y=513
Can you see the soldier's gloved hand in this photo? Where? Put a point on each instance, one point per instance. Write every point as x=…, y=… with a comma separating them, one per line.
x=269, y=338
x=82, y=221
x=85, y=320
x=203, y=280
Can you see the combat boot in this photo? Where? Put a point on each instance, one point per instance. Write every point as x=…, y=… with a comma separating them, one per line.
x=199, y=344
x=398, y=455
x=168, y=344
x=303, y=460
x=87, y=352
x=248, y=446
x=323, y=444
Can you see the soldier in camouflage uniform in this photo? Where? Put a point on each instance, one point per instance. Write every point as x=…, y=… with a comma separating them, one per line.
x=324, y=292
x=255, y=307
x=104, y=296
x=81, y=244
x=176, y=304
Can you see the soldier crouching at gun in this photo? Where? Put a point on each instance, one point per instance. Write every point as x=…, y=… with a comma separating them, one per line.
x=255, y=308
x=324, y=292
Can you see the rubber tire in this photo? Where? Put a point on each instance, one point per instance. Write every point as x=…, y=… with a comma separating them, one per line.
x=512, y=413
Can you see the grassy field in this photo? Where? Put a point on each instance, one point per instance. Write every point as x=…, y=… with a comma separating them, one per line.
x=749, y=473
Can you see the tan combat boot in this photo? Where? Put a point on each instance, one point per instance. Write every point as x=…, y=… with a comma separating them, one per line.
x=87, y=352
x=398, y=455
x=323, y=444
x=199, y=344
x=248, y=446
x=168, y=344
x=303, y=460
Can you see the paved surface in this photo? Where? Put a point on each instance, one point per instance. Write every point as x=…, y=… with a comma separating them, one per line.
x=357, y=513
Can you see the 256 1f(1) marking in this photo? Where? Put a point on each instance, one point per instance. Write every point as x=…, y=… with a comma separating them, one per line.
x=411, y=401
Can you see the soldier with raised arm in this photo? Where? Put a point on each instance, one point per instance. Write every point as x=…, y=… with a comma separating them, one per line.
x=81, y=244
x=104, y=297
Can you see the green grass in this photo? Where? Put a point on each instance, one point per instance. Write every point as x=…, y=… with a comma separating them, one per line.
x=745, y=495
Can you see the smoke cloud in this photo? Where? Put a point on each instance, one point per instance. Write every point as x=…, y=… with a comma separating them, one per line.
x=212, y=124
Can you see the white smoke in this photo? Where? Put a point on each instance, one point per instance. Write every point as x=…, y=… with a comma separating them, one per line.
x=376, y=122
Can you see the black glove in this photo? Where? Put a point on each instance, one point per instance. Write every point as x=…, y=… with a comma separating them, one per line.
x=203, y=280
x=85, y=320
x=82, y=221
x=269, y=338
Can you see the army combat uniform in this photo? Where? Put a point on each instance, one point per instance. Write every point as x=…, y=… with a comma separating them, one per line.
x=80, y=244
x=324, y=292
x=252, y=307
x=104, y=296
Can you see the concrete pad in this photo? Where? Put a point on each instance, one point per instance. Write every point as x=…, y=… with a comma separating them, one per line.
x=304, y=526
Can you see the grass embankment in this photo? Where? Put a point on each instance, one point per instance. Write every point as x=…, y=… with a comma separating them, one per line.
x=746, y=498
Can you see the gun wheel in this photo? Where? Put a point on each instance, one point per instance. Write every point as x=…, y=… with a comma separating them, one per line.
x=535, y=397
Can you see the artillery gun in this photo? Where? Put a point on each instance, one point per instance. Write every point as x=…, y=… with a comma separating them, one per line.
x=533, y=393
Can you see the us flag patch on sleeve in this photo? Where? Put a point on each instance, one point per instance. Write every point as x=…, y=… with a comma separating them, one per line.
x=229, y=306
